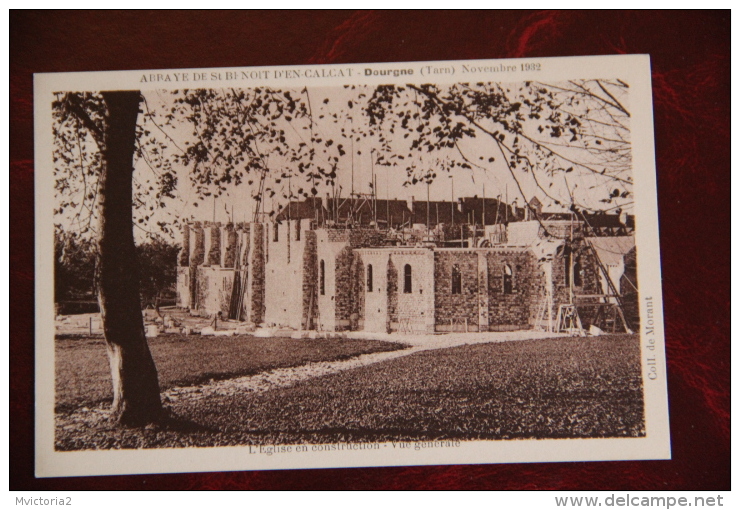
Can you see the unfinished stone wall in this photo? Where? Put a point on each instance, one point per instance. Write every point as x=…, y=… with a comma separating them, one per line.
x=334, y=235
x=200, y=289
x=590, y=282
x=515, y=310
x=244, y=244
x=563, y=229
x=214, y=244
x=280, y=280
x=215, y=254
x=345, y=285
x=183, y=287
x=183, y=259
x=414, y=310
x=392, y=293
x=230, y=246
x=286, y=235
x=355, y=238
x=589, y=277
x=415, y=235
x=366, y=238
x=257, y=274
x=197, y=256
x=214, y=290
x=226, y=279
x=183, y=273
x=284, y=276
x=348, y=273
x=373, y=304
x=453, y=310
x=329, y=242
x=337, y=306
x=628, y=288
x=211, y=284
x=310, y=288
x=357, y=304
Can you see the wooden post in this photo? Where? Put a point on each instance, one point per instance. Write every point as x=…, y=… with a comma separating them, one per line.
x=427, y=208
x=452, y=203
x=483, y=298
x=483, y=220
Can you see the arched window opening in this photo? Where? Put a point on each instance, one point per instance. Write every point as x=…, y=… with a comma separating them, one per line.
x=407, y=279
x=577, y=273
x=456, y=279
x=369, y=277
x=508, y=280
x=322, y=278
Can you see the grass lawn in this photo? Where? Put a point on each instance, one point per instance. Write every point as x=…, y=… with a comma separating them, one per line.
x=552, y=388
x=83, y=374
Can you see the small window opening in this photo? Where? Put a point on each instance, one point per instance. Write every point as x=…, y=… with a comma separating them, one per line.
x=322, y=279
x=577, y=273
x=369, y=277
x=456, y=279
x=508, y=280
x=407, y=279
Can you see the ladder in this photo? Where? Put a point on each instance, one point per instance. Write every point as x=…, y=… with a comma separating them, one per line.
x=568, y=320
x=607, y=313
x=239, y=284
x=234, y=302
x=612, y=288
x=544, y=316
x=309, y=314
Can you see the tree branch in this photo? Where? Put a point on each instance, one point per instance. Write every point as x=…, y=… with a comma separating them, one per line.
x=613, y=98
x=541, y=145
x=75, y=107
x=151, y=117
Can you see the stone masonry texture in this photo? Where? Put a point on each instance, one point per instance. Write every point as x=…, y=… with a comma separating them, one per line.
x=483, y=301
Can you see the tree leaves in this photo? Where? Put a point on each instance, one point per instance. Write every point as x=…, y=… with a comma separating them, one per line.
x=542, y=129
x=259, y=137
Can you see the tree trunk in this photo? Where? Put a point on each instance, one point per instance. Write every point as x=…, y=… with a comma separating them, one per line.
x=136, y=398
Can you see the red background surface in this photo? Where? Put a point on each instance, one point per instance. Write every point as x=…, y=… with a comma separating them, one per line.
x=691, y=85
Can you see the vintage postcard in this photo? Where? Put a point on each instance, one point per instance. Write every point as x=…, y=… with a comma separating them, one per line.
x=347, y=265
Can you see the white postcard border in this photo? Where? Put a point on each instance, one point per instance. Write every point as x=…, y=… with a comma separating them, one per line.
x=656, y=445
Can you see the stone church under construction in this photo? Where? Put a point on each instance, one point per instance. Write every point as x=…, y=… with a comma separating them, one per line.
x=419, y=267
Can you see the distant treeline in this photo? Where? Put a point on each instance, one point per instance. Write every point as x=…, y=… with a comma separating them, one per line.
x=75, y=288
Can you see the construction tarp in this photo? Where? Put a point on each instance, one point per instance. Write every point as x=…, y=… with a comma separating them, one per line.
x=611, y=250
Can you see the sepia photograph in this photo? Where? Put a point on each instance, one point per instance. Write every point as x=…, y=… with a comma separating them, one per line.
x=348, y=265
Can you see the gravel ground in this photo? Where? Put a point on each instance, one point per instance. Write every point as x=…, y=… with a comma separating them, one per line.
x=284, y=377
